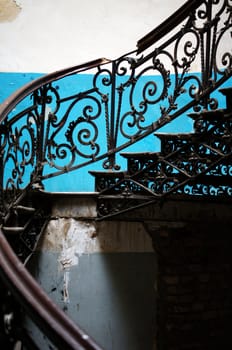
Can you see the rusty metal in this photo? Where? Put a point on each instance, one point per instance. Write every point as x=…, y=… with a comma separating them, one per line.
x=45, y=133
x=55, y=133
x=195, y=164
x=169, y=24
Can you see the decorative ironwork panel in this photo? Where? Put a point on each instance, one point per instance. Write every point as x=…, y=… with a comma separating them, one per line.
x=51, y=130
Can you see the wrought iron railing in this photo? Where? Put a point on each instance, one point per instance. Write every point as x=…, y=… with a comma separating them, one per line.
x=87, y=114
x=51, y=320
x=48, y=130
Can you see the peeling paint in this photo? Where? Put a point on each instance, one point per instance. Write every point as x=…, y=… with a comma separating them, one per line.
x=9, y=10
x=73, y=208
x=71, y=238
x=74, y=236
x=65, y=286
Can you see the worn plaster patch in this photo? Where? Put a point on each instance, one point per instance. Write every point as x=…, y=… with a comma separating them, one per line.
x=9, y=10
x=74, y=238
x=69, y=235
x=78, y=237
x=71, y=238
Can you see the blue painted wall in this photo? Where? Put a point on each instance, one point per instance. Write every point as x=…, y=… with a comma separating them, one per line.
x=80, y=180
x=10, y=82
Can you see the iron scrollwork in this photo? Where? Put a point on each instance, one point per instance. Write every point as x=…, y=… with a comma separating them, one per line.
x=56, y=129
x=53, y=127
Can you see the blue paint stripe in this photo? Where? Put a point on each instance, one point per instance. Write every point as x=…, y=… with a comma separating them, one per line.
x=10, y=82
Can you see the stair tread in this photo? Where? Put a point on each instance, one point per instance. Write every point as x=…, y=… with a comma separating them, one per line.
x=208, y=115
x=150, y=155
x=194, y=137
x=24, y=208
x=108, y=173
x=179, y=174
x=205, y=178
x=180, y=136
x=226, y=91
x=13, y=229
x=175, y=134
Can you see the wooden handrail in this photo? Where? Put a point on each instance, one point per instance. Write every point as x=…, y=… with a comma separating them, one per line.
x=50, y=319
x=170, y=23
x=7, y=105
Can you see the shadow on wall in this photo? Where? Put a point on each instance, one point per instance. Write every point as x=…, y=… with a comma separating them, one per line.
x=109, y=291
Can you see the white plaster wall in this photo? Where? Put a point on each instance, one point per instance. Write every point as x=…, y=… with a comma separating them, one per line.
x=47, y=35
x=102, y=274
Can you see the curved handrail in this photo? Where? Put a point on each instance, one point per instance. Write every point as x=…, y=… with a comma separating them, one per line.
x=61, y=330
x=170, y=23
x=109, y=102
x=7, y=105
x=48, y=317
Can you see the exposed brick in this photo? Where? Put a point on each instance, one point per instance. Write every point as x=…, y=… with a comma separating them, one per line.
x=170, y=279
x=194, y=287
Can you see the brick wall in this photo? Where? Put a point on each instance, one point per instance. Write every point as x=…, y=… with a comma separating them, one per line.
x=194, y=286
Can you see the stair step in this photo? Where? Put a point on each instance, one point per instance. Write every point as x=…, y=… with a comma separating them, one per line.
x=107, y=173
x=227, y=92
x=185, y=156
x=174, y=136
x=24, y=209
x=192, y=167
x=198, y=179
x=173, y=142
x=18, y=222
x=215, y=180
x=139, y=161
x=213, y=115
x=185, y=143
x=183, y=138
x=13, y=229
x=201, y=185
x=106, y=179
x=141, y=155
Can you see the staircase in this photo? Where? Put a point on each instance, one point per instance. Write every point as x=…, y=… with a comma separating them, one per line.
x=124, y=103
x=189, y=164
x=23, y=225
